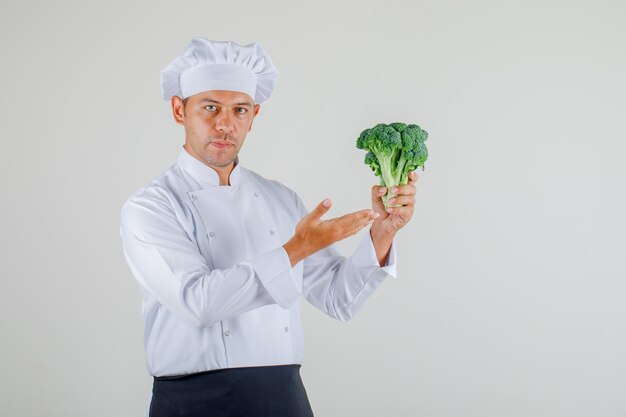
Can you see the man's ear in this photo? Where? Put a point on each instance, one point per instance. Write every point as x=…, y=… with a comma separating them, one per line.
x=177, y=110
x=257, y=107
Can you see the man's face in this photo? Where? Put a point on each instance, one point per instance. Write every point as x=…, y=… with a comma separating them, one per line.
x=216, y=124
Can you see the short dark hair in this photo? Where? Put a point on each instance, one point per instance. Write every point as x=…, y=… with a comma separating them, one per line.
x=185, y=102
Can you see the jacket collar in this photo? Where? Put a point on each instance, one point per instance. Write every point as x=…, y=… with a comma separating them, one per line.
x=204, y=174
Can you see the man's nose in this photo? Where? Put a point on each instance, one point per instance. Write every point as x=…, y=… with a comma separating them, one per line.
x=225, y=122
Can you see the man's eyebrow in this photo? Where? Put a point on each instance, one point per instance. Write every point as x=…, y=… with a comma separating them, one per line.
x=243, y=103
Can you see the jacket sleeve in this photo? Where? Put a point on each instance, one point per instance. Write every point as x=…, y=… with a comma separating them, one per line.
x=167, y=264
x=340, y=286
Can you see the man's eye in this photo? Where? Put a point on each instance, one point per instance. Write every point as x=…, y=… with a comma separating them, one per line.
x=210, y=107
x=241, y=110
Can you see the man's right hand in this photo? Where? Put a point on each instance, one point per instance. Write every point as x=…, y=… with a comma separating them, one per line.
x=313, y=233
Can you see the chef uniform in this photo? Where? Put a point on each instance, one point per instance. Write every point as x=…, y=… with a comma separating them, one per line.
x=221, y=302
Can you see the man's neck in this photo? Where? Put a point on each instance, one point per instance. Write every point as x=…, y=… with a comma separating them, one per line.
x=224, y=173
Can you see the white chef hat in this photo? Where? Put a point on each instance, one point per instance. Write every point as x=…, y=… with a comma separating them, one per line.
x=219, y=65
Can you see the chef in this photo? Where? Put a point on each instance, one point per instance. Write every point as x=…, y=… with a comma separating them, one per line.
x=224, y=256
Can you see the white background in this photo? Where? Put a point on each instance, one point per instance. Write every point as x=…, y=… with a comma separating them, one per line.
x=511, y=288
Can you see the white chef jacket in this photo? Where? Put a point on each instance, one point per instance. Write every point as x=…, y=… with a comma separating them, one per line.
x=218, y=288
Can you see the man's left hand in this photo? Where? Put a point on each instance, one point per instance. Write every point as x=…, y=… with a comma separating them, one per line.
x=394, y=218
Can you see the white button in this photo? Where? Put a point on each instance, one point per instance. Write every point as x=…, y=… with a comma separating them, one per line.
x=194, y=196
x=272, y=232
x=212, y=234
x=227, y=333
x=286, y=329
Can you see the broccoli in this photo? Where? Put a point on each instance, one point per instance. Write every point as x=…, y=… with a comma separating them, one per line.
x=394, y=150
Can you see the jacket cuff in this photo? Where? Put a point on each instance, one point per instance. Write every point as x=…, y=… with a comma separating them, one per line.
x=274, y=270
x=365, y=255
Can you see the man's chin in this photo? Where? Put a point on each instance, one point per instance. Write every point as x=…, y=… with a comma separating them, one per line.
x=220, y=163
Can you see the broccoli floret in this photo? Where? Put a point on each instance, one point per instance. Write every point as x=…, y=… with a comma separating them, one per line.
x=394, y=150
x=370, y=159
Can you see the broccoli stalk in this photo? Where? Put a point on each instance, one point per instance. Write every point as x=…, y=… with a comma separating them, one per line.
x=394, y=150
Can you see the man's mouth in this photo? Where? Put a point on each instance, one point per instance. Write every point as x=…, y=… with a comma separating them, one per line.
x=221, y=144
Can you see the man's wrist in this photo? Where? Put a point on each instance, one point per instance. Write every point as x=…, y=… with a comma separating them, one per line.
x=296, y=250
x=379, y=233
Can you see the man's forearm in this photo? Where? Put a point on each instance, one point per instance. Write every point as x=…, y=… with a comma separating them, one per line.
x=382, y=244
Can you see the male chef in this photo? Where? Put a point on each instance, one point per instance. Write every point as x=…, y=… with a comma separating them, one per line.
x=223, y=255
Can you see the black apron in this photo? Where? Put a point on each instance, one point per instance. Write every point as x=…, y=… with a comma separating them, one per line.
x=264, y=391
